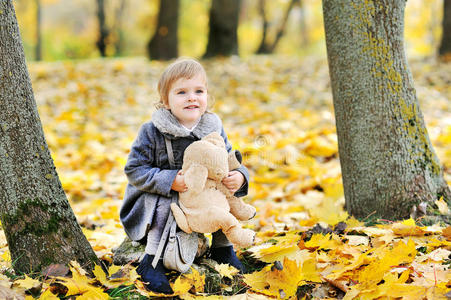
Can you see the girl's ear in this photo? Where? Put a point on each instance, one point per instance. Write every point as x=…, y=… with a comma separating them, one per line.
x=196, y=177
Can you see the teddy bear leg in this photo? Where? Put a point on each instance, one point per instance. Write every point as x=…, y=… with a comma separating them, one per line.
x=216, y=218
x=239, y=236
x=241, y=210
x=180, y=218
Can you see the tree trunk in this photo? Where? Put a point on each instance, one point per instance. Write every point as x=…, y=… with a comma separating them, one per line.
x=303, y=24
x=388, y=164
x=164, y=43
x=445, y=45
x=103, y=30
x=117, y=29
x=223, y=36
x=265, y=47
x=39, y=224
x=38, y=53
x=282, y=27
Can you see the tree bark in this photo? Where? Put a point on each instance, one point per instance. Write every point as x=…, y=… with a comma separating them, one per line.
x=388, y=164
x=103, y=30
x=223, y=36
x=39, y=224
x=38, y=50
x=445, y=45
x=164, y=43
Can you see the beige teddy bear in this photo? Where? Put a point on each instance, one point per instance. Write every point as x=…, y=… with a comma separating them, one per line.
x=208, y=205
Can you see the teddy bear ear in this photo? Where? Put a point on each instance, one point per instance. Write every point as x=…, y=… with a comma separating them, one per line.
x=215, y=138
x=196, y=177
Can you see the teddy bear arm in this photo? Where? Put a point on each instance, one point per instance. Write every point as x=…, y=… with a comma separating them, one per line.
x=196, y=177
x=235, y=159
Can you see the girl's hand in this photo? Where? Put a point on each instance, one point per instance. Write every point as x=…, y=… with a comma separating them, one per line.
x=233, y=181
x=179, y=183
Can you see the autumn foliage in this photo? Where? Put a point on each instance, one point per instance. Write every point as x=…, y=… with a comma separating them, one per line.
x=278, y=112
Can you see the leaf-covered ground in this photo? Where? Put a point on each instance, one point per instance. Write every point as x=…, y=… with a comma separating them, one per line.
x=278, y=111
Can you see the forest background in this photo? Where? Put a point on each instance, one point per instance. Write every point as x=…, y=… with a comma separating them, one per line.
x=91, y=109
x=62, y=20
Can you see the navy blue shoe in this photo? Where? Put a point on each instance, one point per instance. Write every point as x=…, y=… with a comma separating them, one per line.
x=154, y=278
x=226, y=255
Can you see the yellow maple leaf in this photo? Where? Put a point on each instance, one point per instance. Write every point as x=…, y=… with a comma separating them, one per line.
x=226, y=270
x=81, y=284
x=48, y=295
x=376, y=291
x=181, y=286
x=407, y=228
x=353, y=222
x=400, y=254
x=94, y=293
x=339, y=271
x=283, y=283
x=6, y=256
x=442, y=206
x=195, y=279
x=75, y=267
x=309, y=271
x=320, y=241
x=145, y=292
x=406, y=291
x=281, y=247
x=100, y=275
x=27, y=283
x=117, y=275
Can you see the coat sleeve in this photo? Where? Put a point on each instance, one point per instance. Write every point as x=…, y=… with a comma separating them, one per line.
x=140, y=167
x=243, y=190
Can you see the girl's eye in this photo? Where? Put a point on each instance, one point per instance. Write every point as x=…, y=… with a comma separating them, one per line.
x=199, y=91
x=180, y=92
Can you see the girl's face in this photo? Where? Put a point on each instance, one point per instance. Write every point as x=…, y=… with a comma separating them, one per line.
x=187, y=100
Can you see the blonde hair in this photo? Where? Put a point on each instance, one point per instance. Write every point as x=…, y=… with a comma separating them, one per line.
x=181, y=68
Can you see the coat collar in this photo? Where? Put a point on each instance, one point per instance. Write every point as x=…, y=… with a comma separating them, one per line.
x=168, y=124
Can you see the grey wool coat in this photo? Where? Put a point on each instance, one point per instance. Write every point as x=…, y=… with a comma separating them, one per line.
x=149, y=175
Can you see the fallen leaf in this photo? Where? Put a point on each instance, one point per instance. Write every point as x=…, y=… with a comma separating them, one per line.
x=28, y=284
x=442, y=206
x=226, y=270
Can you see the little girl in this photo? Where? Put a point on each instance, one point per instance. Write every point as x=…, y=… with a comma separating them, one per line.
x=183, y=118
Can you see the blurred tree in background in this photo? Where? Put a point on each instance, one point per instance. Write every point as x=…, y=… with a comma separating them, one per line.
x=38, y=50
x=445, y=45
x=70, y=28
x=223, y=28
x=103, y=31
x=265, y=46
x=164, y=43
